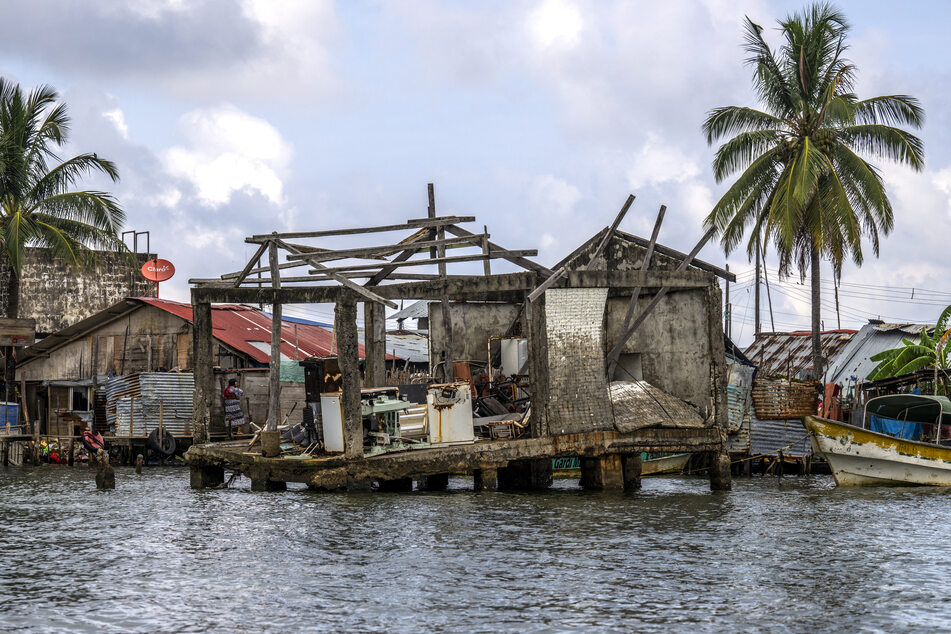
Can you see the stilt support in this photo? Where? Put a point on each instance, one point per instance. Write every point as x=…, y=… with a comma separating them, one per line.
x=603, y=473
x=720, y=479
x=206, y=477
x=485, y=479
x=631, y=466
x=263, y=484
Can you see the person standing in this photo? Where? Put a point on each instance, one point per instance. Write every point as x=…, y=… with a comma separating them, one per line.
x=234, y=417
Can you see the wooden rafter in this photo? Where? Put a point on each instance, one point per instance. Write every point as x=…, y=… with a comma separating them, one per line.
x=456, y=258
x=411, y=224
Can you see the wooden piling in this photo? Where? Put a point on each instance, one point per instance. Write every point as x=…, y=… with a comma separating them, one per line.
x=374, y=343
x=345, y=327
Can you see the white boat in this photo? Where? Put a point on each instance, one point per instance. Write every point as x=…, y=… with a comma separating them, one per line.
x=664, y=465
x=905, y=439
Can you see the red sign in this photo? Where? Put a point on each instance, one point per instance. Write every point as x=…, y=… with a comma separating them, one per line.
x=158, y=270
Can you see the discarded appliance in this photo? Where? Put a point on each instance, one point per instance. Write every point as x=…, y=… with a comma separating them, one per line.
x=449, y=413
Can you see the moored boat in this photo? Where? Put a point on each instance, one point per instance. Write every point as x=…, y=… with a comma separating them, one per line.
x=905, y=439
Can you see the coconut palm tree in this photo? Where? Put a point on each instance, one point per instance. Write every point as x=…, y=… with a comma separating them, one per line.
x=804, y=183
x=39, y=205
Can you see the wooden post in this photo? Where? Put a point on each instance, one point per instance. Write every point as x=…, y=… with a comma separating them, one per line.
x=202, y=345
x=374, y=343
x=444, y=298
x=345, y=325
x=271, y=437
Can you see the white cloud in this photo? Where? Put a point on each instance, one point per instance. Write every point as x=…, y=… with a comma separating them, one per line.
x=117, y=118
x=227, y=150
x=553, y=196
x=661, y=162
x=555, y=24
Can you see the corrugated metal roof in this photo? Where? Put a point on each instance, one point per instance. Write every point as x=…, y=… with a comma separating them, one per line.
x=416, y=310
x=856, y=358
x=791, y=352
x=239, y=326
x=408, y=346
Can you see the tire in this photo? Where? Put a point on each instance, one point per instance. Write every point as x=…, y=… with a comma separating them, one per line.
x=162, y=445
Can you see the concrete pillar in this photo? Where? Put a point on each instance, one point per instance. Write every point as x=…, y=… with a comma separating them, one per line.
x=436, y=482
x=345, y=328
x=537, y=365
x=603, y=473
x=631, y=466
x=5, y=451
x=206, y=477
x=355, y=485
x=720, y=479
x=400, y=485
x=263, y=484
x=203, y=348
x=486, y=479
x=526, y=475
x=374, y=343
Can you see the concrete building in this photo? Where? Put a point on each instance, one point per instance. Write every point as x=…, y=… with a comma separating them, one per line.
x=57, y=296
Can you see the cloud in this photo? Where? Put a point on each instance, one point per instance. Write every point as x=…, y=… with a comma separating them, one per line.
x=204, y=48
x=555, y=24
x=226, y=150
x=660, y=162
x=117, y=118
x=553, y=196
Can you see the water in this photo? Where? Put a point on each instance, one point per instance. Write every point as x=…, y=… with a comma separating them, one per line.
x=154, y=555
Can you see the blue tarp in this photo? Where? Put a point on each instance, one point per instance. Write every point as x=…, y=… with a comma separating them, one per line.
x=896, y=428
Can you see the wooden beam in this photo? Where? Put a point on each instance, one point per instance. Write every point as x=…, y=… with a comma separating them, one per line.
x=560, y=273
x=615, y=351
x=250, y=265
x=368, y=294
x=260, y=269
x=412, y=224
x=455, y=258
x=632, y=305
x=607, y=236
x=382, y=250
x=514, y=259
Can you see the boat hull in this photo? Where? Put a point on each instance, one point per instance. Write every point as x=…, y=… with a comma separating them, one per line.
x=665, y=465
x=859, y=457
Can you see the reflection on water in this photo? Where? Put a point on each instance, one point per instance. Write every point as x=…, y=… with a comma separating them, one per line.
x=155, y=555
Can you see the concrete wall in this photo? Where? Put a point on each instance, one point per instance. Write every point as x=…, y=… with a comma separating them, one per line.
x=57, y=296
x=673, y=342
x=472, y=325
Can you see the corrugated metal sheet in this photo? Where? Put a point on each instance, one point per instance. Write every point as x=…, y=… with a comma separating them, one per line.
x=415, y=310
x=739, y=382
x=791, y=352
x=238, y=326
x=147, y=397
x=408, y=346
x=769, y=436
x=856, y=358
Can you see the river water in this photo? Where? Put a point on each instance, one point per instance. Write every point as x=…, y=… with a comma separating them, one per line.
x=154, y=555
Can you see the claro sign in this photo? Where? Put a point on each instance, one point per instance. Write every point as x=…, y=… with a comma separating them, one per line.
x=158, y=270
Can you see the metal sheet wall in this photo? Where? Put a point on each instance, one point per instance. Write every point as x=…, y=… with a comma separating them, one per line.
x=148, y=397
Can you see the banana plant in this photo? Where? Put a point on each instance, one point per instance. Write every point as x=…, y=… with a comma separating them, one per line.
x=931, y=351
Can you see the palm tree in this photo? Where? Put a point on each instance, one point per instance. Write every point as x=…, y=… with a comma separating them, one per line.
x=38, y=203
x=803, y=182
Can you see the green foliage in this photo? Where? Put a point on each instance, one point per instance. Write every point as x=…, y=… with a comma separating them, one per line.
x=39, y=205
x=801, y=177
x=930, y=352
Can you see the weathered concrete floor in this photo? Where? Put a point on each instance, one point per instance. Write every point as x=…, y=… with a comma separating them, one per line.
x=334, y=472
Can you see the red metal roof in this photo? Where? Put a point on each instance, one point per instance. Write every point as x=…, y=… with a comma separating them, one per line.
x=238, y=326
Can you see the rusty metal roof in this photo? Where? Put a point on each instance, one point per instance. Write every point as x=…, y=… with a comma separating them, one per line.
x=790, y=353
x=241, y=328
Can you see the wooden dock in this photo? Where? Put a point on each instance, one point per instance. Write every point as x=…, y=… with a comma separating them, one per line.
x=484, y=458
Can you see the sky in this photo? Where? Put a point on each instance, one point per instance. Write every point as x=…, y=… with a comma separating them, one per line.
x=229, y=118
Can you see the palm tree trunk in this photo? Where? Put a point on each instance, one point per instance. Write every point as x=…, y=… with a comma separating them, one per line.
x=816, y=318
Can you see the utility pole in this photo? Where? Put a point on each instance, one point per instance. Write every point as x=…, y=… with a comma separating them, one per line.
x=756, y=324
x=729, y=309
